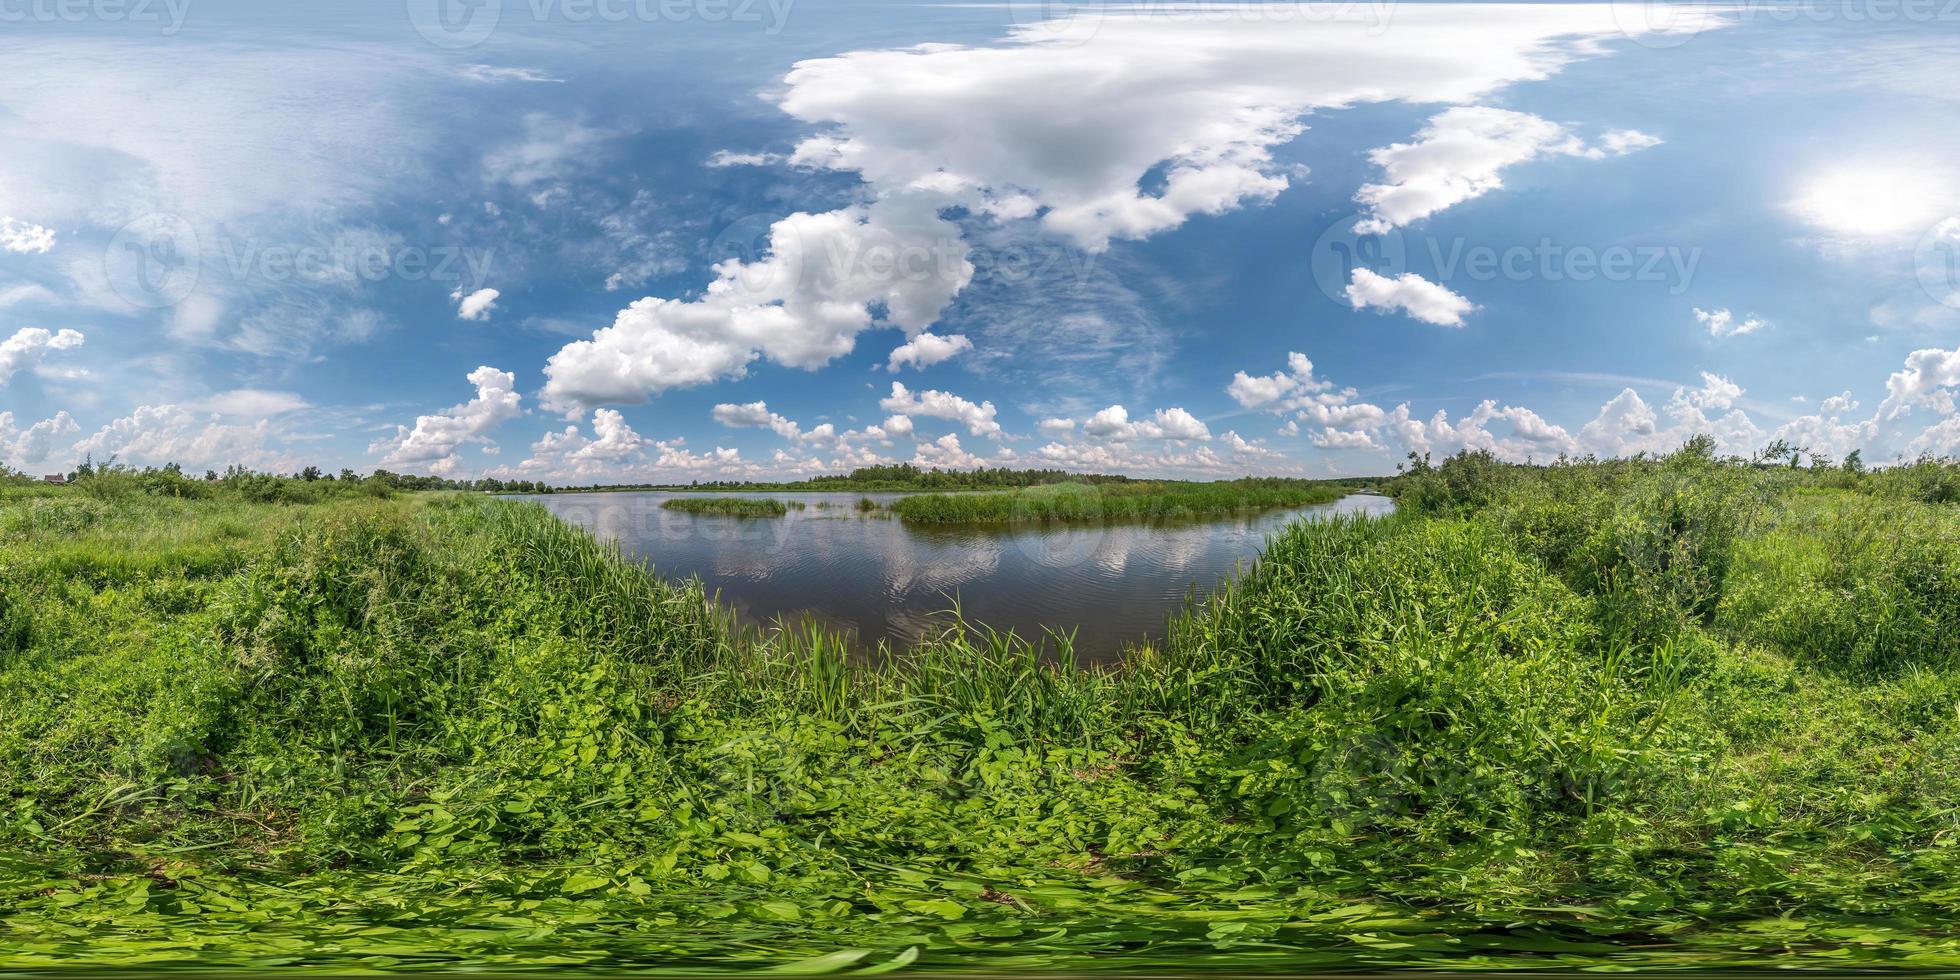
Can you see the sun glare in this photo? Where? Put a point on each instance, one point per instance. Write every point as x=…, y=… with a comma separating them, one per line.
x=1875, y=202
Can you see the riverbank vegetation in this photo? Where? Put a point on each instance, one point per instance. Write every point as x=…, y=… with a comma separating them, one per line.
x=1129, y=500
x=1680, y=712
x=731, y=506
x=907, y=478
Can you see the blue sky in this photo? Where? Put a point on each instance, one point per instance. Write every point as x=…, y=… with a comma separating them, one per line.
x=585, y=240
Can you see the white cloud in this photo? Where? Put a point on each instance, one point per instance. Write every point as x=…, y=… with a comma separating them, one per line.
x=945, y=453
x=978, y=419
x=32, y=445
x=1623, y=141
x=477, y=305
x=157, y=434
x=1722, y=323
x=1927, y=380
x=1627, y=424
x=28, y=292
x=1410, y=293
x=491, y=73
x=432, y=444
x=1257, y=391
x=1199, y=100
x=551, y=150
x=727, y=158
x=758, y=415
x=1113, y=424
x=252, y=403
x=927, y=349
x=1458, y=156
x=801, y=305
x=22, y=237
x=30, y=345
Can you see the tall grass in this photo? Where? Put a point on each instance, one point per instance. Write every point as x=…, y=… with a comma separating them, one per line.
x=731, y=506
x=1668, y=713
x=1082, y=502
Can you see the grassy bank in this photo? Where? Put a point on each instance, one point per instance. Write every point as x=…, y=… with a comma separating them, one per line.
x=1128, y=501
x=1667, y=713
x=731, y=506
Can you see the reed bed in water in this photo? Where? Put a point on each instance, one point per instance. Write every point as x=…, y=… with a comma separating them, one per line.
x=1083, y=502
x=732, y=506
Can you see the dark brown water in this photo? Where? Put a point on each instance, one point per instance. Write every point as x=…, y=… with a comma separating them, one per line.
x=879, y=578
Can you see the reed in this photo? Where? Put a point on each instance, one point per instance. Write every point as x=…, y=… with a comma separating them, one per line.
x=732, y=506
x=1133, y=501
x=1674, y=713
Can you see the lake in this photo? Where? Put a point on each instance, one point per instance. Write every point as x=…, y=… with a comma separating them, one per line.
x=876, y=577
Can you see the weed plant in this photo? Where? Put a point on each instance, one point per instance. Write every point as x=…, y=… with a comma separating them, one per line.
x=1677, y=713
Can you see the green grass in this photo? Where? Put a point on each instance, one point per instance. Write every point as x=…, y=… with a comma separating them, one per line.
x=1131, y=501
x=731, y=506
x=1666, y=713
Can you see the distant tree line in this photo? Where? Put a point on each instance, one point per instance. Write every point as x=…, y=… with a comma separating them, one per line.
x=110, y=478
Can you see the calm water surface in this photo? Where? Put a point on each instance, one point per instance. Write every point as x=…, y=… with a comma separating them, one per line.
x=879, y=578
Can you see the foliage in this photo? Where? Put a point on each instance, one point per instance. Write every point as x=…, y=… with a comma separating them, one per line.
x=1127, y=501
x=1680, y=713
x=731, y=506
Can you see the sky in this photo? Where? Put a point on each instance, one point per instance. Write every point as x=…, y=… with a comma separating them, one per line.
x=588, y=241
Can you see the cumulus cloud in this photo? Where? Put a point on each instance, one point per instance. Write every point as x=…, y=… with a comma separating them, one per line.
x=1409, y=293
x=978, y=419
x=758, y=415
x=727, y=158
x=1722, y=323
x=252, y=403
x=550, y=150
x=1927, y=381
x=432, y=444
x=26, y=447
x=1198, y=101
x=927, y=349
x=22, y=237
x=801, y=304
x=1459, y=155
x=29, y=345
x=157, y=434
x=1337, y=418
x=477, y=305
x=613, y=451
x=945, y=453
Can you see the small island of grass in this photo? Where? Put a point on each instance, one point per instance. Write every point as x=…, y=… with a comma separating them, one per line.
x=730, y=506
x=1129, y=501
